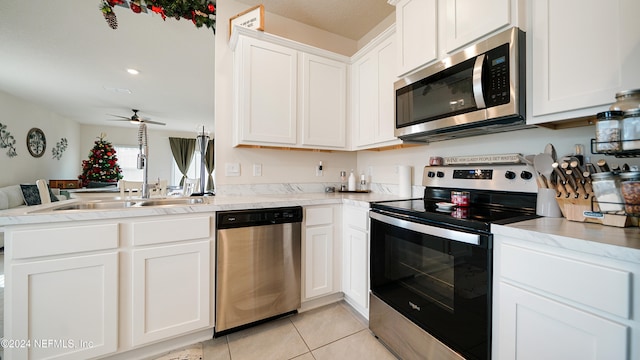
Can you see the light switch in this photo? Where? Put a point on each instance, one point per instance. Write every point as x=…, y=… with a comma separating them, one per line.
x=257, y=169
x=232, y=169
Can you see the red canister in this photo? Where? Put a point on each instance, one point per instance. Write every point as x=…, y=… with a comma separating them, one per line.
x=460, y=198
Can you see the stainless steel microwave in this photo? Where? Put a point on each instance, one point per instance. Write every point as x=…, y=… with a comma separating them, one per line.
x=479, y=90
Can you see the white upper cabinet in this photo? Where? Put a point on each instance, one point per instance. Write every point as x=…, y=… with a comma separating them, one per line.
x=288, y=94
x=469, y=20
x=581, y=53
x=429, y=30
x=372, y=76
x=266, y=102
x=417, y=33
x=324, y=101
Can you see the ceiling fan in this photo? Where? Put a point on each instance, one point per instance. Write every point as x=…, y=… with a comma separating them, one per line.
x=135, y=119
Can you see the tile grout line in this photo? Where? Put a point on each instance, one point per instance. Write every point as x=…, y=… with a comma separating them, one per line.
x=301, y=337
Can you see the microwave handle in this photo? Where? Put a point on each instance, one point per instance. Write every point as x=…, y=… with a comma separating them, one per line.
x=477, y=82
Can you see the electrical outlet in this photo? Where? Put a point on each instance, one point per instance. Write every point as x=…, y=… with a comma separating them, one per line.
x=232, y=169
x=319, y=169
x=257, y=169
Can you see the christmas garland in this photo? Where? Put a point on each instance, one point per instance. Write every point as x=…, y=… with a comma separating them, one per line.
x=200, y=12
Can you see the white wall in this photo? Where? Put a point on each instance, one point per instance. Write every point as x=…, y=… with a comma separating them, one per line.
x=20, y=116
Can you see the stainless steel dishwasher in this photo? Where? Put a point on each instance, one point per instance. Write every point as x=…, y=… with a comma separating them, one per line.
x=257, y=266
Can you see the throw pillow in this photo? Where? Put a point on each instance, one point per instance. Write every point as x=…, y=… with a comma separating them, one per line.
x=30, y=194
x=54, y=198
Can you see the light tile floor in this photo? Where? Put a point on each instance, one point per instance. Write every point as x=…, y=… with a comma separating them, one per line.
x=332, y=332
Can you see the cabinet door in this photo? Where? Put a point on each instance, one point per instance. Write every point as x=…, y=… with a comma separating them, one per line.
x=170, y=291
x=469, y=20
x=576, y=63
x=318, y=256
x=355, y=276
x=417, y=32
x=67, y=308
x=324, y=102
x=266, y=94
x=373, y=79
x=535, y=327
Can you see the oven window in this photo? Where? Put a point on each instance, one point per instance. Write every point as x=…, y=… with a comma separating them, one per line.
x=443, y=286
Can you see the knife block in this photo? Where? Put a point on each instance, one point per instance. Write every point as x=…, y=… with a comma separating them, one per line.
x=584, y=210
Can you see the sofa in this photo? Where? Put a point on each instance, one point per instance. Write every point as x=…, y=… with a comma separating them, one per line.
x=13, y=196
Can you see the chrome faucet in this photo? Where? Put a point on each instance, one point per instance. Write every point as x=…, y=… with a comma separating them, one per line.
x=142, y=159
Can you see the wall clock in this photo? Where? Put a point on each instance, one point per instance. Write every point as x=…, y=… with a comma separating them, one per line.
x=36, y=142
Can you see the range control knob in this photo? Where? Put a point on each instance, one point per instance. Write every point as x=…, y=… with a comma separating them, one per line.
x=510, y=175
x=431, y=174
x=440, y=174
x=527, y=175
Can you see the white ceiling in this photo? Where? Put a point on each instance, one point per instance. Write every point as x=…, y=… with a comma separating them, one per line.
x=64, y=56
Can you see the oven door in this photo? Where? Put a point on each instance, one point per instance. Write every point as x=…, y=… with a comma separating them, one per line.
x=437, y=277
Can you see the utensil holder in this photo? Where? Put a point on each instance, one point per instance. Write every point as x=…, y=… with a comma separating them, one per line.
x=585, y=210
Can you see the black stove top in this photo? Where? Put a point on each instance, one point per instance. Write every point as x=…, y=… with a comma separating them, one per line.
x=486, y=208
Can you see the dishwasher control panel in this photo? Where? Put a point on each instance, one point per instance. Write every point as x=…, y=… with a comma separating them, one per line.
x=257, y=217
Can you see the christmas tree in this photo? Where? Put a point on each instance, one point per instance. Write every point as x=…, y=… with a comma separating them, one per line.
x=102, y=165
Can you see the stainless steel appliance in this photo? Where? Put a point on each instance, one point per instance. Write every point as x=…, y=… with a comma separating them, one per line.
x=257, y=266
x=431, y=267
x=476, y=91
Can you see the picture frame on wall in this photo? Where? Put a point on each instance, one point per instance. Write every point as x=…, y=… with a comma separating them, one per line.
x=36, y=142
x=252, y=18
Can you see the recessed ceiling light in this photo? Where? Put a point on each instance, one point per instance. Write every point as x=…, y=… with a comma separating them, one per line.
x=117, y=90
x=133, y=71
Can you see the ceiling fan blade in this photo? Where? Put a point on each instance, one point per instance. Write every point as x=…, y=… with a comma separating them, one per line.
x=121, y=117
x=153, y=122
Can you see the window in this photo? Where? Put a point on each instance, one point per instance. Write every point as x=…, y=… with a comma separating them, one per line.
x=128, y=161
x=192, y=173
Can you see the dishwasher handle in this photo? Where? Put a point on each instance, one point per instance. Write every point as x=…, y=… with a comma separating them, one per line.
x=258, y=217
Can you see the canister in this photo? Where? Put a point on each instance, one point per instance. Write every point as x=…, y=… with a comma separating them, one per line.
x=608, y=130
x=606, y=187
x=626, y=100
x=631, y=191
x=460, y=198
x=631, y=130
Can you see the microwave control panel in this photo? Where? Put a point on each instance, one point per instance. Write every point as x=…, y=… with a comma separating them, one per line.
x=496, y=76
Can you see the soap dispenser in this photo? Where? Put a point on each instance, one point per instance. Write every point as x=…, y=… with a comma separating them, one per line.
x=352, y=182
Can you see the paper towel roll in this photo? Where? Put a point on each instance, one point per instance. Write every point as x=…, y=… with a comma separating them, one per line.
x=404, y=180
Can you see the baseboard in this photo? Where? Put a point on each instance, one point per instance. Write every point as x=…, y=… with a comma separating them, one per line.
x=321, y=301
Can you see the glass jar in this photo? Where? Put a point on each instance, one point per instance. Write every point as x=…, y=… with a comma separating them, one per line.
x=626, y=100
x=631, y=191
x=606, y=187
x=631, y=130
x=608, y=129
x=460, y=198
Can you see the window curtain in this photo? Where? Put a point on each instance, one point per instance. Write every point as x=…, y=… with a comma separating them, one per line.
x=209, y=164
x=182, y=150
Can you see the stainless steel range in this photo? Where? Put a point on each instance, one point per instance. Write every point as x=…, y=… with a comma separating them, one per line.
x=431, y=266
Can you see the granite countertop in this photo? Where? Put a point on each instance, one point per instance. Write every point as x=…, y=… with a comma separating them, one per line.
x=613, y=242
x=39, y=214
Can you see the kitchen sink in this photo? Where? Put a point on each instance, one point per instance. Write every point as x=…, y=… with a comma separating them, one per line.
x=123, y=204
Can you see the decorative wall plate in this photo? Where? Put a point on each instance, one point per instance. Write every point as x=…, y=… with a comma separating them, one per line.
x=36, y=142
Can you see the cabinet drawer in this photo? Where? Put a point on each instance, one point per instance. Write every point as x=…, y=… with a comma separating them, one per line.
x=357, y=218
x=164, y=231
x=594, y=285
x=318, y=216
x=62, y=240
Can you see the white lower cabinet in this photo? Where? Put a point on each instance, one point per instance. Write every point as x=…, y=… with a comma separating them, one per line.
x=170, y=291
x=101, y=288
x=170, y=276
x=320, y=254
x=61, y=299
x=355, y=266
x=551, y=303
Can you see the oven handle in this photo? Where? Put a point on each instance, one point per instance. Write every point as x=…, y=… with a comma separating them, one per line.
x=449, y=234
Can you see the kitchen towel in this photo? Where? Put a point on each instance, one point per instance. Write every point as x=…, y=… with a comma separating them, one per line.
x=404, y=180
